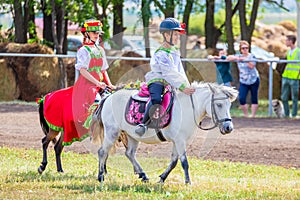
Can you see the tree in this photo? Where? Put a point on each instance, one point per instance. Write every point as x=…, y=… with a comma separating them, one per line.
x=47, y=21
x=186, y=16
x=146, y=13
x=104, y=16
x=58, y=32
x=21, y=18
x=118, y=22
x=211, y=32
x=247, y=29
x=167, y=7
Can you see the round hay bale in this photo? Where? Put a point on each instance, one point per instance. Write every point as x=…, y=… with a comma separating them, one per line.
x=44, y=74
x=263, y=69
x=278, y=49
x=193, y=72
x=132, y=63
x=260, y=43
x=36, y=75
x=289, y=25
x=70, y=68
x=125, y=71
x=8, y=85
x=3, y=47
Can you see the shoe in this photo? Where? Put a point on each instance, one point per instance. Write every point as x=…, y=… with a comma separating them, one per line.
x=140, y=129
x=295, y=117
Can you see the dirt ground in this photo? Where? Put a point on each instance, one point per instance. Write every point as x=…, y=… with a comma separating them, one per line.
x=268, y=141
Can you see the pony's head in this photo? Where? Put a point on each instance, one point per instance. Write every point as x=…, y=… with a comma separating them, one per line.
x=218, y=104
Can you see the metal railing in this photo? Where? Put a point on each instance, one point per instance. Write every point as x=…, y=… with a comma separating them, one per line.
x=270, y=62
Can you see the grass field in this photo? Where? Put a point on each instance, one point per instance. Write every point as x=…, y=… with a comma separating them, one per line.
x=210, y=180
x=19, y=179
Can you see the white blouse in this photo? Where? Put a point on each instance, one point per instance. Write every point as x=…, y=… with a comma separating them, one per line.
x=83, y=57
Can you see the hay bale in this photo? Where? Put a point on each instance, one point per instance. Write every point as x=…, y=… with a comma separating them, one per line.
x=278, y=49
x=132, y=63
x=263, y=70
x=44, y=74
x=195, y=71
x=3, y=47
x=260, y=43
x=289, y=25
x=8, y=85
x=125, y=71
x=70, y=68
x=36, y=75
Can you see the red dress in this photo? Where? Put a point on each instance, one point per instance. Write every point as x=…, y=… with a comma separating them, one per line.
x=67, y=109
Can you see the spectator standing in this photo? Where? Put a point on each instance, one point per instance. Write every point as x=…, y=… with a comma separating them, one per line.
x=249, y=78
x=222, y=68
x=290, y=77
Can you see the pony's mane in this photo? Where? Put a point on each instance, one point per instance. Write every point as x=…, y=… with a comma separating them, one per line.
x=231, y=92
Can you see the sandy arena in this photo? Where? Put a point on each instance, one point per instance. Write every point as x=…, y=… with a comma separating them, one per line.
x=267, y=141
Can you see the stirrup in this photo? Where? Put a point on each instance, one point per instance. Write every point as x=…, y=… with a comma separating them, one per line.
x=140, y=129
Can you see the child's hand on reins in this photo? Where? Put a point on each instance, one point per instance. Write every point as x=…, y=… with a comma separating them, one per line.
x=188, y=90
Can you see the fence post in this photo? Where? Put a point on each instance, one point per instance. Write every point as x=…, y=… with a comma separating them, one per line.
x=270, y=88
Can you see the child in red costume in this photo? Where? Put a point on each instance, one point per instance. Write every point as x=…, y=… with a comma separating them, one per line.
x=68, y=109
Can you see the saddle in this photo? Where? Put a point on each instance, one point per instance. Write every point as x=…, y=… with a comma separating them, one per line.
x=137, y=103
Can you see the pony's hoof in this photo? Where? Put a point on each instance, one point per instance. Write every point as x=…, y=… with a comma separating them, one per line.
x=101, y=178
x=40, y=170
x=161, y=181
x=143, y=177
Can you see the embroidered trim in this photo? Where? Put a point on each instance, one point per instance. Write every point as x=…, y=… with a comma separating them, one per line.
x=76, y=140
x=168, y=50
x=163, y=81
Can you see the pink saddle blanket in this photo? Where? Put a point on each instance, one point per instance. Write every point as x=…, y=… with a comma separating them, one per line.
x=136, y=106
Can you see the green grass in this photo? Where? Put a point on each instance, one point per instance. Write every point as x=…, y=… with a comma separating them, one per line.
x=262, y=111
x=19, y=179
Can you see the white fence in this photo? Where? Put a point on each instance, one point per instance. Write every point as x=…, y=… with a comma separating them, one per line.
x=271, y=63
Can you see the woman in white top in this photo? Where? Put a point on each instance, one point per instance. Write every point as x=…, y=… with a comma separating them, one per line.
x=249, y=78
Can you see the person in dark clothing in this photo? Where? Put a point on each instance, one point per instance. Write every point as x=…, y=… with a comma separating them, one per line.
x=222, y=68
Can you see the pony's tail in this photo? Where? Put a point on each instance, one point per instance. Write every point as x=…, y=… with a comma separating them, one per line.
x=97, y=131
x=43, y=122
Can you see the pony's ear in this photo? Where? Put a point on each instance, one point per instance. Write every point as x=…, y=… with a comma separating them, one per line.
x=231, y=93
x=211, y=88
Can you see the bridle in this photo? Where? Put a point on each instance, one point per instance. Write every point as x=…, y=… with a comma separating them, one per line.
x=214, y=116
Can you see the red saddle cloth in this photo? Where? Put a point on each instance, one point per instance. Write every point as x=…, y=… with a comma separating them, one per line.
x=68, y=109
x=136, y=106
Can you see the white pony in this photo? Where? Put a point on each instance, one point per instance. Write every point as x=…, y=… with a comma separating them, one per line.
x=209, y=99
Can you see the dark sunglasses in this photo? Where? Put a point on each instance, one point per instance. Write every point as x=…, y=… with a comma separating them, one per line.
x=245, y=48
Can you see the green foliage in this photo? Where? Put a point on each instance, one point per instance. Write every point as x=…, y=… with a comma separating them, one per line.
x=196, y=24
x=210, y=180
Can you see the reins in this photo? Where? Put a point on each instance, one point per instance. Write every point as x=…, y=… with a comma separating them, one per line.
x=215, y=118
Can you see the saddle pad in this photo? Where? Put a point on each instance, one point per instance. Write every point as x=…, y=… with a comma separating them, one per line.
x=137, y=97
x=135, y=109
